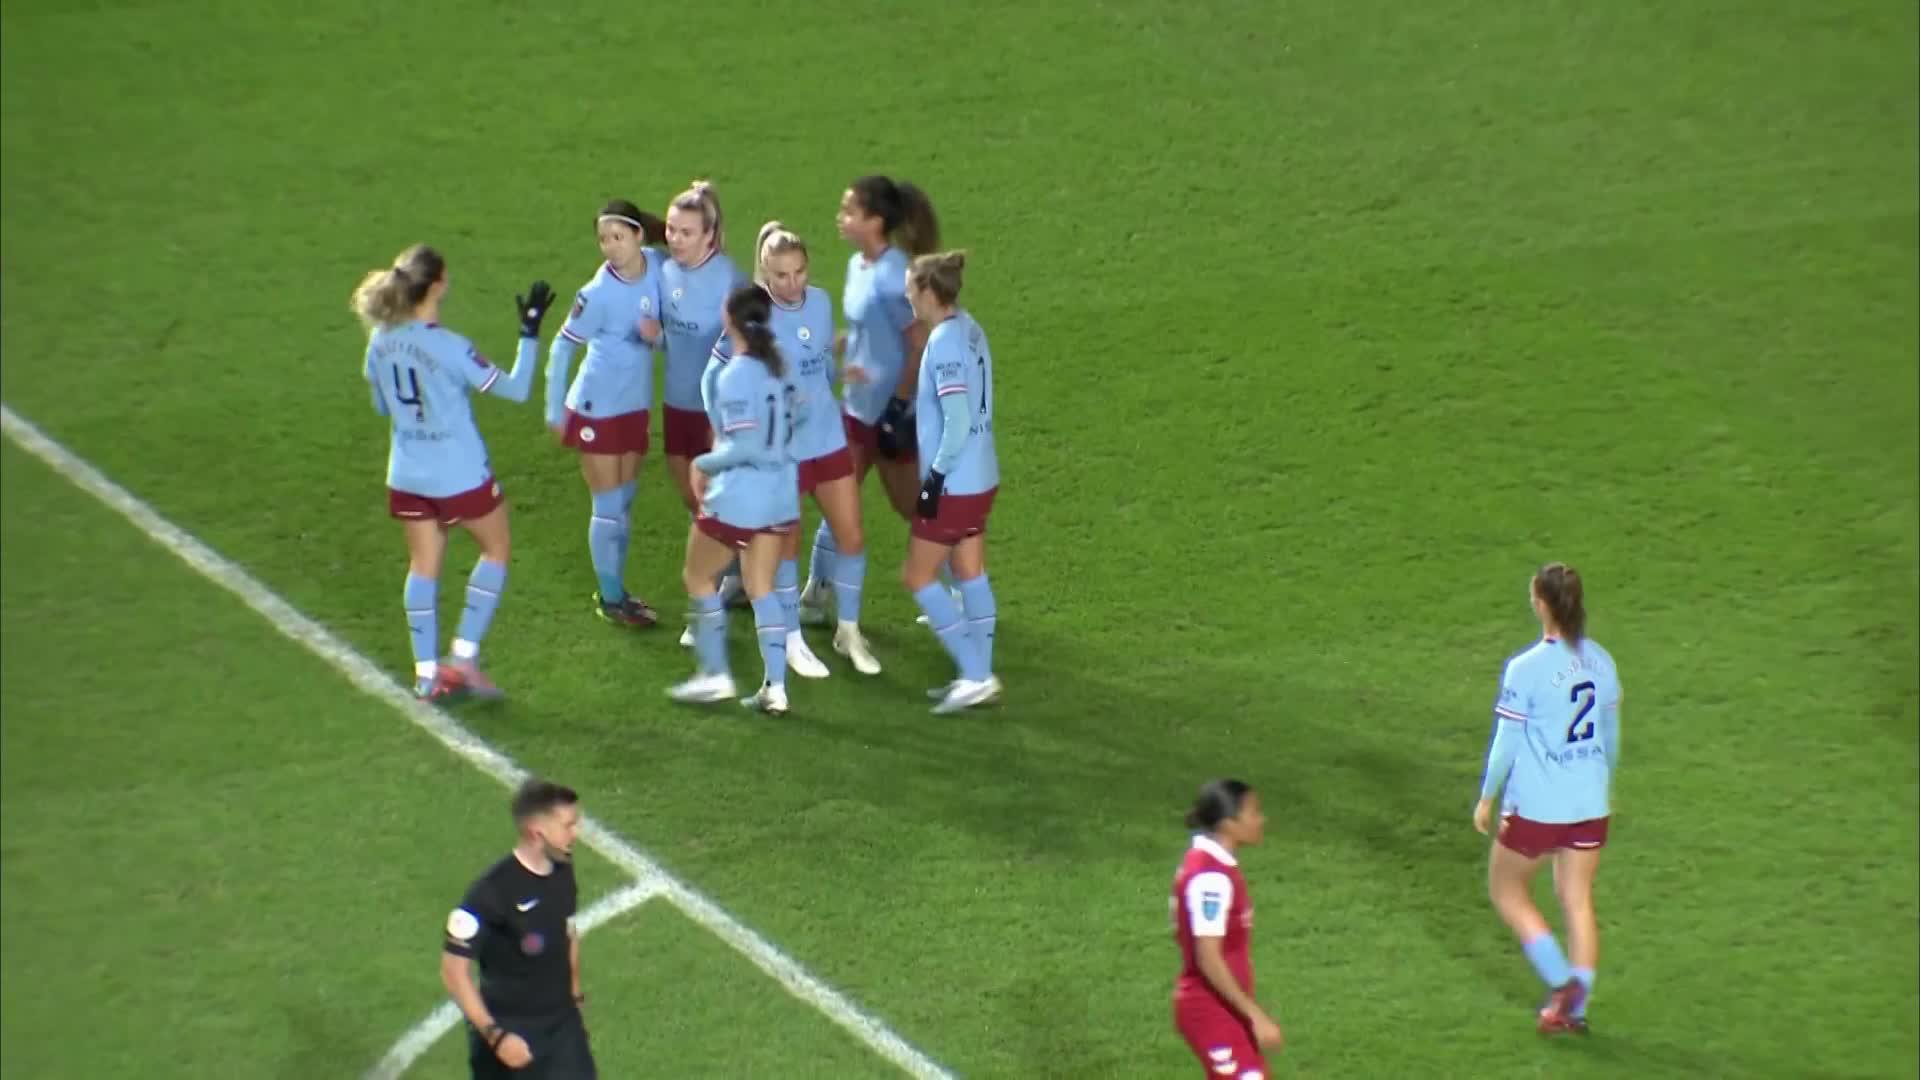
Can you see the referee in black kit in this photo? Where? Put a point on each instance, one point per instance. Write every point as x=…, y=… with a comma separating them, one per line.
x=517, y=921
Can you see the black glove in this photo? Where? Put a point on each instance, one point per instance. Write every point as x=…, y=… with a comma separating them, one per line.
x=895, y=429
x=533, y=308
x=930, y=490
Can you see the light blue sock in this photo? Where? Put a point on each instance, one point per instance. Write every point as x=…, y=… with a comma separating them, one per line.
x=484, y=586
x=1585, y=977
x=825, y=555
x=770, y=626
x=421, y=599
x=604, y=542
x=976, y=597
x=710, y=634
x=849, y=577
x=628, y=491
x=943, y=615
x=1548, y=961
x=786, y=588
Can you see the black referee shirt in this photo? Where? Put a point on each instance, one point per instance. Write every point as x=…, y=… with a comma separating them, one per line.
x=514, y=922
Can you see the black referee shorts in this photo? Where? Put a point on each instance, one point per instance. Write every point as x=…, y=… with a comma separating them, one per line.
x=559, y=1045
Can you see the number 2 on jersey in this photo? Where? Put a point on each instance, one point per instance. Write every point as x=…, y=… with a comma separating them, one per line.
x=413, y=386
x=1575, y=732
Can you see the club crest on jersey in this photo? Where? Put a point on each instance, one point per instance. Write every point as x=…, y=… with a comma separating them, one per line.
x=646, y=304
x=805, y=334
x=533, y=944
x=678, y=293
x=1210, y=905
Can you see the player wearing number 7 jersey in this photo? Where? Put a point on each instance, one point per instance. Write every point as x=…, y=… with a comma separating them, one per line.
x=437, y=469
x=748, y=492
x=1556, y=742
x=959, y=475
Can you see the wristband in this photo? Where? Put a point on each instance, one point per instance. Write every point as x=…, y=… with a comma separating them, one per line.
x=493, y=1034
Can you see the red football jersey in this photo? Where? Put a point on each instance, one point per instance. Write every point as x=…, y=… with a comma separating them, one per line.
x=1210, y=899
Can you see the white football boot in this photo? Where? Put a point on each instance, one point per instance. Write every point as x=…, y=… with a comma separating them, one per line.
x=703, y=690
x=849, y=642
x=801, y=660
x=965, y=695
x=770, y=699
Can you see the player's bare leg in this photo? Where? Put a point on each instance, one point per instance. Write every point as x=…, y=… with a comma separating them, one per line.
x=706, y=557
x=800, y=658
x=679, y=468
x=902, y=481
x=1509, y=885
x=839, y=502
x=1573, y=872
x=483, y=594
x=611, y=480
x=758, y=566
x=426, y=550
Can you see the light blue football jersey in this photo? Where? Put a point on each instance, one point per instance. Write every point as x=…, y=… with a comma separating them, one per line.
x=423, y=373
x=694, y=300
x=957, y=361
x=616, y=376
x=1569, y=700
x=878, y=314
x=804, y=334
x=760, y=487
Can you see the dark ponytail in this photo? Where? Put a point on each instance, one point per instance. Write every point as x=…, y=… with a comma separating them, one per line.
x=904, y=211
x=751, y=309
x=1559, y=588
x=1218, y=801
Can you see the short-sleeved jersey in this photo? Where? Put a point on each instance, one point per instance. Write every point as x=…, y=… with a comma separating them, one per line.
x=751, y=411
x=1567, y=698
x=804, y=333
x=694, y=299
x=423, y=373
x=957, y=361
x=878, y=314
x=1210, y=899
x=616, y=377
x=515, y=923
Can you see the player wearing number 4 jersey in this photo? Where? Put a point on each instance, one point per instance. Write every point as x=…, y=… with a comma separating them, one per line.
x=1213, y=1005
x=748, y=487
x=437, y=469
x=959, y=475
x=605, y=413
x=1556, y=742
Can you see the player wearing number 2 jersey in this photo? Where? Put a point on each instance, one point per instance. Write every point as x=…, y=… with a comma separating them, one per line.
x=1555, y=744
x=748, y=487
x=437, y=469
x=1213, y=1005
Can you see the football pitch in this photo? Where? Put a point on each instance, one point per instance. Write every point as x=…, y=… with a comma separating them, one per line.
x=1317, y=327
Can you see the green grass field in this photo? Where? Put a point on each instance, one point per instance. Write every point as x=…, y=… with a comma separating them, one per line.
x=1318, y=326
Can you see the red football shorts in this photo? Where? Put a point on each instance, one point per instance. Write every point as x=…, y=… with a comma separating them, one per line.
x=446, y=509
x=960, y=516
x=1219, y=1038
x=824, y=469
x=627, y=433
x=867, y=438
x=1536, y=838
x=735, y=537
x=688, y=433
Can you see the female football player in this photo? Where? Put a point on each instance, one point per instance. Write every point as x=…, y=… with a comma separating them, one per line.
x=1213, y=1005
x=959, y=476
x=803, y=327
x=437, y=470
x=605, y=414
x=1556, y=742
x=748, y=492
x=694, y=285
x=887, y=222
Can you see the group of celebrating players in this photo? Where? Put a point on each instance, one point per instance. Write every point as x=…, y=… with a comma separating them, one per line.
x=752, y=423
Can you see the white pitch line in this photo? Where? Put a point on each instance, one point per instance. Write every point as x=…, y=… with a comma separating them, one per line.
x=370, y=679
x=420, y=1037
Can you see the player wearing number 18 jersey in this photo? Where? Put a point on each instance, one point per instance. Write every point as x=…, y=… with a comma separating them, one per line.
x=748, y=487
x=437, y=469
x=1555, y=743
x=1213, y=1005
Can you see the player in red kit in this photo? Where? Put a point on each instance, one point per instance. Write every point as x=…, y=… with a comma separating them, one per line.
x=1213, y=1006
